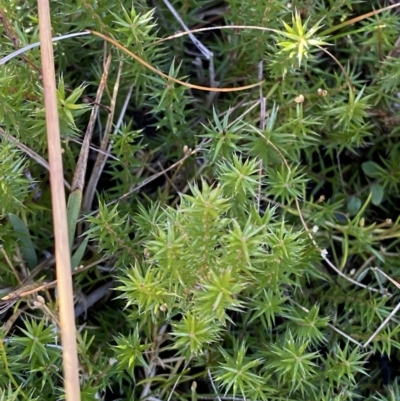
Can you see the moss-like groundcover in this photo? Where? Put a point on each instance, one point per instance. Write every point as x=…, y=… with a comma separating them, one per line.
x=235, y=245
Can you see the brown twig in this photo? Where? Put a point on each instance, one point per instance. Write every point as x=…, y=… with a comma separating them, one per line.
x=79, y=176
x=102, y=156
x=167, y=77
x=30, y=288
x=80, y=171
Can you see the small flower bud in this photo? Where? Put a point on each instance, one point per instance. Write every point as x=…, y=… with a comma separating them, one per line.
x=299, y=99
x=40, y=302
x=40, y=299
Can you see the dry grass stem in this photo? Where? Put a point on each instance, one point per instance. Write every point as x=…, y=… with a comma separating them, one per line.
x=62, y=251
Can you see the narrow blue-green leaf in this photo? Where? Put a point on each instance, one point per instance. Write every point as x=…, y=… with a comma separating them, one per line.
x=73, y=209
x=78, y=255
x=27, y=247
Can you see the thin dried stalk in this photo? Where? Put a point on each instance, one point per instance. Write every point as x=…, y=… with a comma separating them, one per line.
x=102, y=156
x=62, y=252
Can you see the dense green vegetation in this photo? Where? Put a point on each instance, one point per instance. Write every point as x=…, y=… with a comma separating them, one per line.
x=250, y=238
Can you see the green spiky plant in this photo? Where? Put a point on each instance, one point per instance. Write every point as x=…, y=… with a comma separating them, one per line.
x=250, y=238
